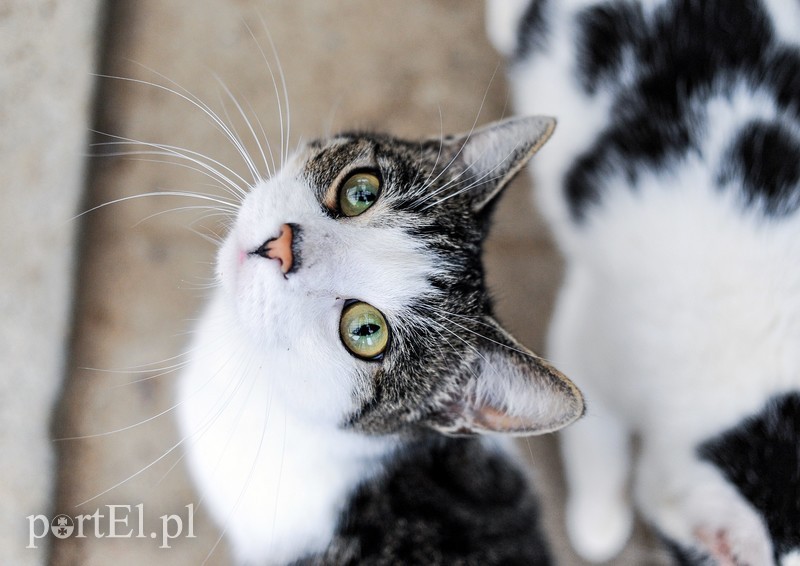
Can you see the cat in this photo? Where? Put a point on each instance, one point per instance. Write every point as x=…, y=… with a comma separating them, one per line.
x=349, y=397
x=673, y=191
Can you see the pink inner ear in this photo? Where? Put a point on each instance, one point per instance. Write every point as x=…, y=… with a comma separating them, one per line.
x=490, y=418
x=717, y=546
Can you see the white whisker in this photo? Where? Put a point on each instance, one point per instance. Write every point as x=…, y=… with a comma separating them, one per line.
x=191, y=99
x=153, y=194
x=471, y=130
x=285, y=155
x=182, y=153
x=251, y=166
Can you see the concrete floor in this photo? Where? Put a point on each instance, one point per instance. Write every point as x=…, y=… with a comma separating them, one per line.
x=405, y=66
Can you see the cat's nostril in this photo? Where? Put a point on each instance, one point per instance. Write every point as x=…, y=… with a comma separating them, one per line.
x=280, y=248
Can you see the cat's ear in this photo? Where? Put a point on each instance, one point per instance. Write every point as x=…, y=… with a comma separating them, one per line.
x=511, y=391
x=495, y=153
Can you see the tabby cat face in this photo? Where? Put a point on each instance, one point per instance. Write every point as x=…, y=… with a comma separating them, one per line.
x=356, y=271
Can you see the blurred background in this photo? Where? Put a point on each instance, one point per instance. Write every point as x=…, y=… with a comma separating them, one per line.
x=96, y=308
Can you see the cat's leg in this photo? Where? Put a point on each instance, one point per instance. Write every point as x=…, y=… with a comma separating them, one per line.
x=596, y=459
x=692, y=504
x=595, y=450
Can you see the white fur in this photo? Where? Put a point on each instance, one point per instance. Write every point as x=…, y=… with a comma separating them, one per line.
x=274, y=483
x=269, y=382
x=501, y=23
x=679, y=315
x=791, y=559
x=785, y=18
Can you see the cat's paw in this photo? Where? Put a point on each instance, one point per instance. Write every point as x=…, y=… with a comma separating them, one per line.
x=716, y=521
x=598, y=530
x=744, y=548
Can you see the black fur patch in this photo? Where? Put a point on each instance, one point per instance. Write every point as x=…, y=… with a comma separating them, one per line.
x=767, y=159
x=532, y=29
x=761, y=457
x=443, y=501
x=683, y=54
x=605, y=32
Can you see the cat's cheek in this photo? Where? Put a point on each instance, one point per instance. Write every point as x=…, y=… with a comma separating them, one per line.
x=228, y=264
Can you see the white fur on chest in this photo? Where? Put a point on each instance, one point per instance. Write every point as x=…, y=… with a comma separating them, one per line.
x=275, y=485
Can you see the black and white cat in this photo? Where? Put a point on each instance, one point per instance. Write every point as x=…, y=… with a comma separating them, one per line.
x=673, y=190
x=350, y=339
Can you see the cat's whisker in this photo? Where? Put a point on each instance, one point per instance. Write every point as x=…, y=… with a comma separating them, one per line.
x=146, y=367
x=183, y=153
x=216, y=209
x=456, y=179
x=132, y=476
x=330, y=121
x=278, y=485
x=162, y=371
x=475, y=180
x=441, y=335
x=281, y=74
x=438, y=154
x=274, y=168
x=251, y=166
x=264, y=57
x=133, y=156
x=201, y=286
x=424, y=188
x=121, y=372
x=471, y=131
x=118, y=430
x=284, y=147
x=270, y=171
x=222, y=217
x=483, y=336
x=467, y=344
x=149, y=377
x=191, y=99
x=152, y=194
x=215, y=239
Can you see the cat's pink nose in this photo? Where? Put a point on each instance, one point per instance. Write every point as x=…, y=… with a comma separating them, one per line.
x=280, y=248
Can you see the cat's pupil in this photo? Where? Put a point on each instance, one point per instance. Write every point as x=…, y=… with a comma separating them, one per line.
x=363, y=195
x=366, y=330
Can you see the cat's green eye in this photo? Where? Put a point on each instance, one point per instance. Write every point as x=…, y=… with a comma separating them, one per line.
x=363, y=331
x=358, y=193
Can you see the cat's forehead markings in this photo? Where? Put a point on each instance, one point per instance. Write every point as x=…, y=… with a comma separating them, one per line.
x=328, y=168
